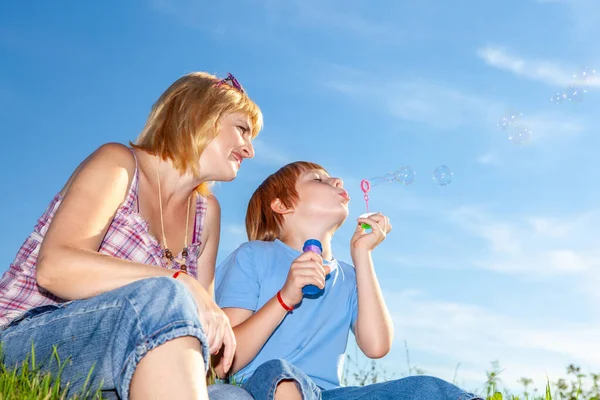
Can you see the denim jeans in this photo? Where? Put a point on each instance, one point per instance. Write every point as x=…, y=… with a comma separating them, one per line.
x=262, y=384
x=111, y=332
x=227, y=392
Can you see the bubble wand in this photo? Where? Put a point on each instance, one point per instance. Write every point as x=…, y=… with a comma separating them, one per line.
x=365, y=186
x=404, y=175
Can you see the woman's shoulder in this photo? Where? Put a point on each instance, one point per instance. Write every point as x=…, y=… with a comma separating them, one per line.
x=116, y=154
x=211, y=203
x=109, y=158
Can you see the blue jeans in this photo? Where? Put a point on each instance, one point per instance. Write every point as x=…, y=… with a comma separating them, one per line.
x=262, y=384
x=111, y=331
x=227, y=392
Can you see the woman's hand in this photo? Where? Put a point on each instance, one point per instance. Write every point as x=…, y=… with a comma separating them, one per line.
x=214, y=322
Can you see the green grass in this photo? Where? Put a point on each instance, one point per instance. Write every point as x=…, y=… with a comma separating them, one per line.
x=28, y=382
x=500, y=396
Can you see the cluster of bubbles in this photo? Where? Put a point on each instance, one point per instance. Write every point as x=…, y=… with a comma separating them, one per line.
x=518, y=133
x=442, y=175
x=576, y=91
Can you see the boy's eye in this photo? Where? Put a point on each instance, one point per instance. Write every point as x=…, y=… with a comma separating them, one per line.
x=319, y=179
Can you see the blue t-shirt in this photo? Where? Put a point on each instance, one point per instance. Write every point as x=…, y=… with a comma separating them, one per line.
x=314, y=336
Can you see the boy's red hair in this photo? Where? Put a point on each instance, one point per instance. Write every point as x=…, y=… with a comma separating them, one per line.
x=262, y=223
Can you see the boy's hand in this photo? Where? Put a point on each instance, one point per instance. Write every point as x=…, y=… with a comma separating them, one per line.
x=380, y=225
x=307, y=269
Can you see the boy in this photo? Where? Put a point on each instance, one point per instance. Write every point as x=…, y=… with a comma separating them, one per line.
x=291, y=346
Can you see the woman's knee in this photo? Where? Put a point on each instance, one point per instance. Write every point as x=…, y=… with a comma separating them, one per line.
x=157, y=310
x=163, y=298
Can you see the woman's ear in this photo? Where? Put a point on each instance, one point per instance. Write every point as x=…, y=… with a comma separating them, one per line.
x=279, y=208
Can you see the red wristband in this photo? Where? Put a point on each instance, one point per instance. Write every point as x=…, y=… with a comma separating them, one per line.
x=176, y=274
x=285, y=306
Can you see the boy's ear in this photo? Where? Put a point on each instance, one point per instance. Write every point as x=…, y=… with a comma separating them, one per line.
x=278, y=207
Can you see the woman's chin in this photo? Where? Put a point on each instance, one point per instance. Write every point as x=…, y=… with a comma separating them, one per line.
x=229, y=177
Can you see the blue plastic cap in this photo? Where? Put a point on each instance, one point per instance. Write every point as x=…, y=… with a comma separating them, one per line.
x=313, y=242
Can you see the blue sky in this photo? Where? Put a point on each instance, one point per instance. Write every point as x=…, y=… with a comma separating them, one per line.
x=501, y=264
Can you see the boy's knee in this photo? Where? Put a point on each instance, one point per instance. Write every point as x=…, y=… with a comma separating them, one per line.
x=278, y=367
x=281, y=377
x=227, y=392
x=428, y=387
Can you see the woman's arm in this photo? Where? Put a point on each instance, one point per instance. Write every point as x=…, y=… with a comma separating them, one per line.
x=69, y=264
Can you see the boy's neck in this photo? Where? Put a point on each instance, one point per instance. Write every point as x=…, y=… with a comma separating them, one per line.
x=296, y=241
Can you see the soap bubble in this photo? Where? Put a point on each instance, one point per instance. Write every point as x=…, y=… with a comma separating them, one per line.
x=405, y=175
x=575, y=93
x=585, y=76
x=390, y=177
x=520, y=134
x=558, y=97
x=509, y=119
x=442, y=175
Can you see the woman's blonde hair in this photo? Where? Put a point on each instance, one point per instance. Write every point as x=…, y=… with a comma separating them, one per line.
x=185, y=119
x=262, y=223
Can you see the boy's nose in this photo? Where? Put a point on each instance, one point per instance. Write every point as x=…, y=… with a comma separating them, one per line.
x=338, y=183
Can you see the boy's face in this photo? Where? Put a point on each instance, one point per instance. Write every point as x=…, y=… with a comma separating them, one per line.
x=321, y=196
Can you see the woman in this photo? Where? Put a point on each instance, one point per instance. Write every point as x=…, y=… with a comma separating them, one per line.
x=118, y=272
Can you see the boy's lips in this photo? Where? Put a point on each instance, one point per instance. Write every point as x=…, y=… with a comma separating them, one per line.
x=345, y=195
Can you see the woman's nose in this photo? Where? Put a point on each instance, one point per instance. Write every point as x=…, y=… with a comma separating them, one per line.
x=248, y=150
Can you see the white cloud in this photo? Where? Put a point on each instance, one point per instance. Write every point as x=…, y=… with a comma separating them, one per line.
x=474, y=336
x=435, y=104
x=553, y=73
x=548, y=72
x=533, y=246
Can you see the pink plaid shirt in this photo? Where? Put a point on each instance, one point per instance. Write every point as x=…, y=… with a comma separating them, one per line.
x=127, y=237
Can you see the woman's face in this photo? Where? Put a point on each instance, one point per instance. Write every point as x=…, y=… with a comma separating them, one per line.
x=223, y=157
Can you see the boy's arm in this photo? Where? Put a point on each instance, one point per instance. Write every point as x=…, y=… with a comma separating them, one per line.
x=373, y=329
x=238, y=293
x=252, y=330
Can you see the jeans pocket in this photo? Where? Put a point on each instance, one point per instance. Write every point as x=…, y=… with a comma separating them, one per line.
x=36, y=312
